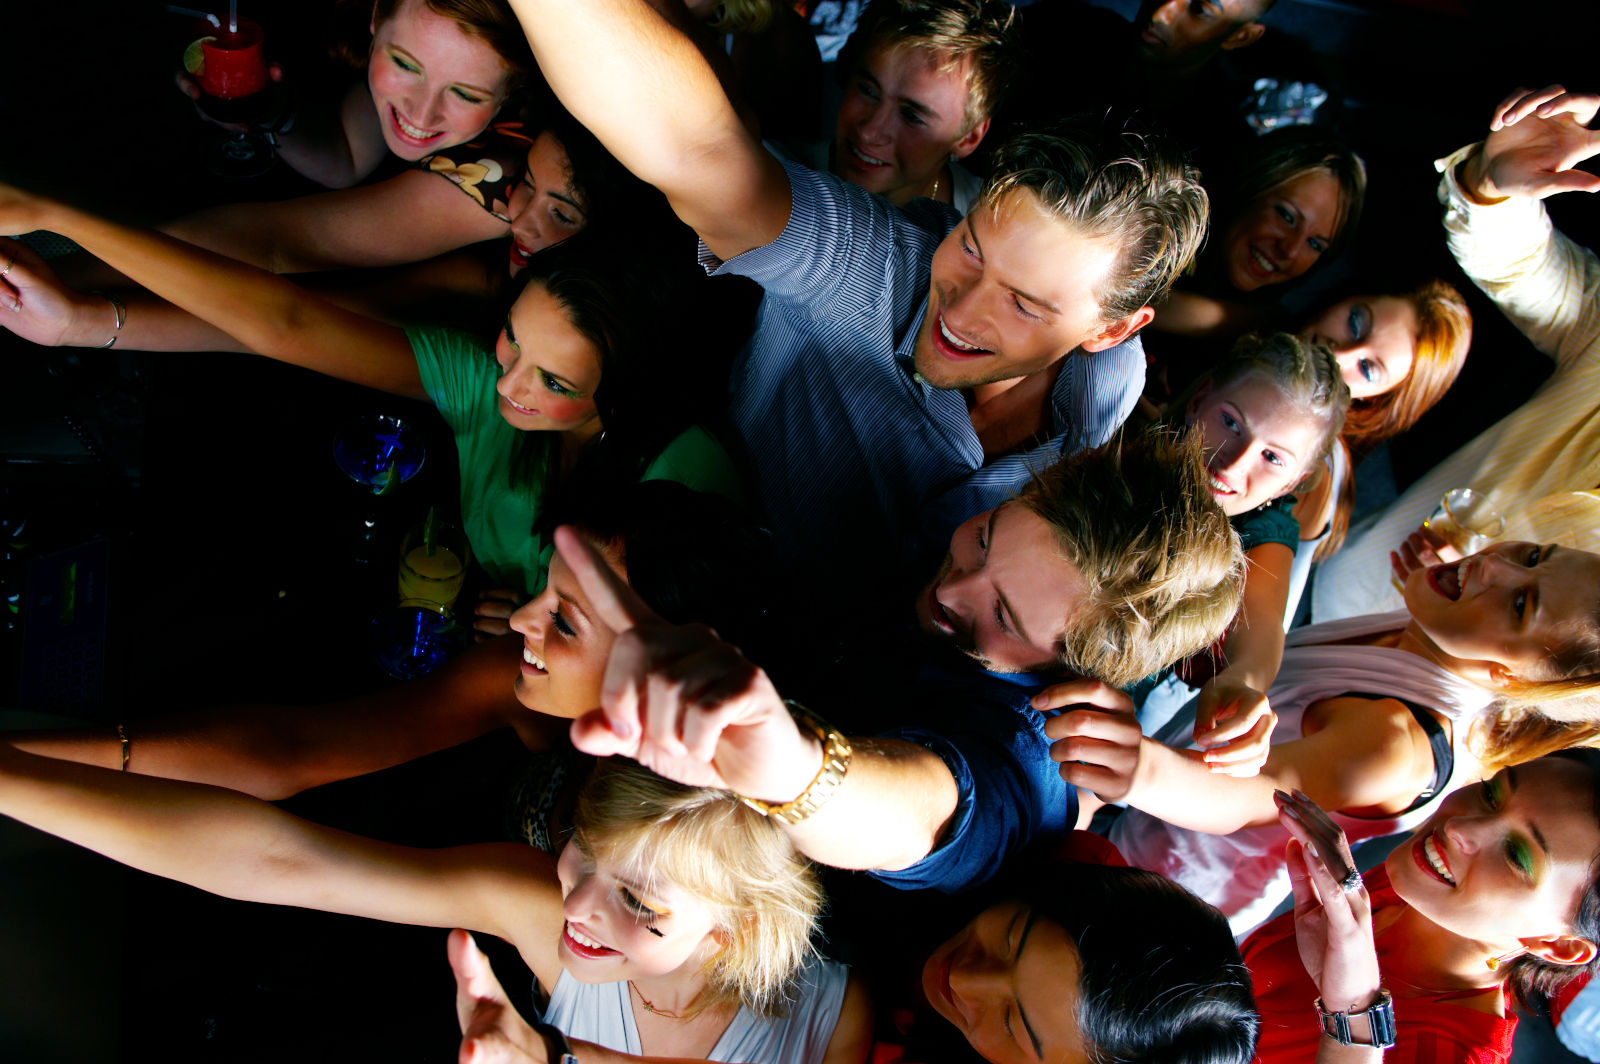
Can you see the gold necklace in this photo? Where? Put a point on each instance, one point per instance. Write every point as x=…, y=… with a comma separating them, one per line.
x=690, y=1011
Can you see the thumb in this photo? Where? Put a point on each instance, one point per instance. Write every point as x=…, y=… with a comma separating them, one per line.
x=471, y=967
x=1570, y=181
x=593, y=734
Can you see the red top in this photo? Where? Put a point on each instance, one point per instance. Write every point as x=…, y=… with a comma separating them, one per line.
x=1428, y=1030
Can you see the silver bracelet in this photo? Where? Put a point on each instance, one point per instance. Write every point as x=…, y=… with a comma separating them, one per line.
x=1380, y=1023
x=122, y=316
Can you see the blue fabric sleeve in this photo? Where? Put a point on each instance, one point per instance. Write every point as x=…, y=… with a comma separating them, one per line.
x=839, y=252
x=1008, y=791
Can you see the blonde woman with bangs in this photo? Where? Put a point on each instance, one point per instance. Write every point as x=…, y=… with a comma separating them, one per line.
x=676, y=922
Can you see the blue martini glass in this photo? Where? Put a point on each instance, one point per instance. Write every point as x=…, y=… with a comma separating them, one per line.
x=379, y=452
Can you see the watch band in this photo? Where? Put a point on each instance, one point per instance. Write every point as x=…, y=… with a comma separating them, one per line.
x=1380, y=1023
x=836, y=752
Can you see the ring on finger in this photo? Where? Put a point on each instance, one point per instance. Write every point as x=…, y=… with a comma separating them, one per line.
x=12, y=261
x=1352, y=883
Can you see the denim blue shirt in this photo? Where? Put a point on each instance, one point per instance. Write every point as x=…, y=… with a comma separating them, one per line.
x=848, y=443
x=1009, y=792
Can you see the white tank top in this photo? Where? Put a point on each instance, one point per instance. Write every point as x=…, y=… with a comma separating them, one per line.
x=602, y=1013
x=1244, y=874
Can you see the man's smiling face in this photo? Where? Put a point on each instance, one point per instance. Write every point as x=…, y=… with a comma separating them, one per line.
x=1014, y=289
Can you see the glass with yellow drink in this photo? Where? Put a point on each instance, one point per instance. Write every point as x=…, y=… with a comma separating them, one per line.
x=433, y=562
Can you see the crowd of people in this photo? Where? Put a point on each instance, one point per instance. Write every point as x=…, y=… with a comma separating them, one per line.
x=970, y=564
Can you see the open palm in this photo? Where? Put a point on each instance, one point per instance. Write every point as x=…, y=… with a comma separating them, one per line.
x=1535, y=141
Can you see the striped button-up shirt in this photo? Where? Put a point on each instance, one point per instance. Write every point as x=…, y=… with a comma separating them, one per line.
x=847, y=441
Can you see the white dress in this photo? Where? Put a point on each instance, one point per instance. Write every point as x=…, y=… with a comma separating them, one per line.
x=1244, y=874
x=603, y=1014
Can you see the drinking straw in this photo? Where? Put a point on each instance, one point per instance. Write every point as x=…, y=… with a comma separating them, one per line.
x=233, y=16
x=192, y=13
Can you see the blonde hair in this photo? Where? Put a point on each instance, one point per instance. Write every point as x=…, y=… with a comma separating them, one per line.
x=1112, y=180
x=1274, y=159
x=766, y=896
x=1537, y=716
x=949, y=33
x=1306, y=374
x=1163, y=564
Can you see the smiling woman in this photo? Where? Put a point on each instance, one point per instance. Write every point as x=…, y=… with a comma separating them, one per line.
x=1291, y=201
x=1495, y=662
x=579, y=396
x=1495, y=892
x=683, y=898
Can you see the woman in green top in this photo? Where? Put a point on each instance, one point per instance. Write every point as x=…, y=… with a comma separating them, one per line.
x=582, y=390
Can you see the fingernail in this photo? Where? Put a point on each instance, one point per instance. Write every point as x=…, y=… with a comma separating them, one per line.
x=1302, y=795
x=1280, y=796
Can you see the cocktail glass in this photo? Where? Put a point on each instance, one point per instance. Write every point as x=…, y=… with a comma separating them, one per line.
x=433, y=562
x=415, y=637
x=380, y=452
x=231, y=69
x=1465, y=520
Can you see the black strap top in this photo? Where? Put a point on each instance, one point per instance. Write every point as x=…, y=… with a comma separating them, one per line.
x=1444, y=755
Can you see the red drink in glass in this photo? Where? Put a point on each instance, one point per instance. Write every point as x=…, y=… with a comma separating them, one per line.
x=235, y=65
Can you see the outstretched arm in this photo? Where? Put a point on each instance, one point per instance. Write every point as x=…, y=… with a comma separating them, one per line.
x=639, y=84
x=410, y=217
x=1500, y=233
x=266, y=313
x=1370, y=755
x=37, y=306
x=273, y=752
x=244, y=848
x=689, y=707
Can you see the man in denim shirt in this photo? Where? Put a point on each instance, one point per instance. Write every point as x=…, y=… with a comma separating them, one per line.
x=1108, y=564
x=896, y=352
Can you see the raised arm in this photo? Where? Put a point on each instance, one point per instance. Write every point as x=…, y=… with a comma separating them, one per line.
x=1499, y=231
x=264, y=312
x=639, y=84
x=1233, y=719
x=244, y=848
x=689, y=707
x=273, y=752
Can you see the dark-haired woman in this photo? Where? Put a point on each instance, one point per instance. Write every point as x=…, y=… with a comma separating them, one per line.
x=1078, y=962
x=577, y=390
x=1494, y=898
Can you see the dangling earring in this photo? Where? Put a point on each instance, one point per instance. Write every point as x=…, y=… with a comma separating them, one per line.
x=1494, y=963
